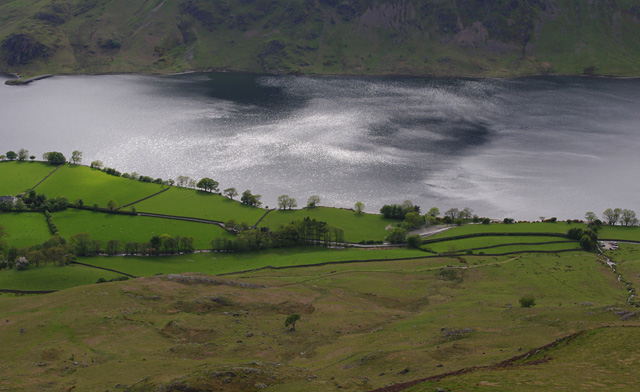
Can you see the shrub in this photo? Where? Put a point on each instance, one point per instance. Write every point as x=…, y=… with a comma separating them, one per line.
x=22, y=263
x=414, y=241
x=527, y=301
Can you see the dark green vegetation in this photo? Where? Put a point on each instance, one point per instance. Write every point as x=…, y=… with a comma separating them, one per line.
x=464, y=37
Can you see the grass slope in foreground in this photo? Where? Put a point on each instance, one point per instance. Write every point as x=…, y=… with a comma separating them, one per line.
x=363, y=325
x=219, y=263
x=602, y=359
x=52, y=277
x=357, y=227
x=199, y=204
x=536, y=227
x=128, y=228
x=17, y=177
x=25, y=228
x=94, y=186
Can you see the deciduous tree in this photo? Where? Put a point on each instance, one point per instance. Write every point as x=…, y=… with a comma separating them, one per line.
x=208, y=185
x=359, y=207
x=313, y=201
x=76, y=157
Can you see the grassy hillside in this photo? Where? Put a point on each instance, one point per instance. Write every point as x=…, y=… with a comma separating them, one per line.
x=463, y=37
x=363, y=326
x=94, y=186
x=17, y=177
x=127, y=228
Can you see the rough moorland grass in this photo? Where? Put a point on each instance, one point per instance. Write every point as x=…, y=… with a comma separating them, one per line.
x=365, y=320
x=198, y=204
x=629, y=233
x=357, y=227
x=218, y=263
x=93, y=186
x=51, y=277
x=602, y=350
x=128, y=228
x=538, y=227
x=17, y=177
x=480, y=242
x=25, y=228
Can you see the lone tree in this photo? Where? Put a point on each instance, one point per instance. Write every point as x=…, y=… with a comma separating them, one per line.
x=313, y=201
x=183, y=181
x=11, y=155
x=230, y=193
x=112, y=205
x=23, y=155
x=359, y=207
x=291, y=321
x=208, y=185
x=76, y=157
x=591, y=217
x=527, y=301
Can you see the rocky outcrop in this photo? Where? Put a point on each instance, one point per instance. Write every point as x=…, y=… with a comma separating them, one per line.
x=21, y=49
x=389, y=16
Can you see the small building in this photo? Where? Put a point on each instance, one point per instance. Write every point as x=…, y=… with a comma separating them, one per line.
x=8, y=199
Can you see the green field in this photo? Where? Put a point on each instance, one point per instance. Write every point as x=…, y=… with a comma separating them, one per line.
x=17, y=177
x=499, y=241
x=199, y=204
x=219, y=263
x=629, y=233
x=357, y=227
x=24, y=228
x=537, y=227
x=93, y=186
x=128, y=228
x=51, y=277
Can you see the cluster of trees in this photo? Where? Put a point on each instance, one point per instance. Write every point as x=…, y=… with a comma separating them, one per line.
x=586, y=237
x=399, y=211
x=55, y=251
x=250, y=199
x=22, y=155
x=285, y=202
x=54, y=157
x=36, y=202
x=301, y=232
x=612, y=216
x=132, y=176
x=84, y=245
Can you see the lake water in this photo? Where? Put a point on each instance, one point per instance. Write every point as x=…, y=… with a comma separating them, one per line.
x=524, y=148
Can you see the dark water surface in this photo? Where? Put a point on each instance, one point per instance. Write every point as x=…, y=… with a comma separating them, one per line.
x=522, y=148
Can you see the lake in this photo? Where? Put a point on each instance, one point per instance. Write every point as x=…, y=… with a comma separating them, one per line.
x=523, y=148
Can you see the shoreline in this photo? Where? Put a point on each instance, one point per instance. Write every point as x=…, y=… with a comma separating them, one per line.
x=17, y=81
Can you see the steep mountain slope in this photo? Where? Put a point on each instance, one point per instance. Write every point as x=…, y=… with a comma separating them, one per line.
x=430, y=37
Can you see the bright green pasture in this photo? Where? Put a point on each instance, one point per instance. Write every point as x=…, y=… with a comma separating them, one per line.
x=51, y=277
x=629, y=233
x=25, y=228
x=538, y=227
x=17, y=177
x=627, y=259
x=93, y=186
x=128, y=228
x=357, y=227
x=218, y=263
x=199, y=204
x=500, y=241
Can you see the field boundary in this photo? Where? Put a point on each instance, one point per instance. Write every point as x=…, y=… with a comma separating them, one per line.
x=145, y=198
x=183, y=218
x=103, y=268
x=455, y=256
x=497, y=234
x=27, y=291
x=45, y=177
x=262, y=218
x=506, y=364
